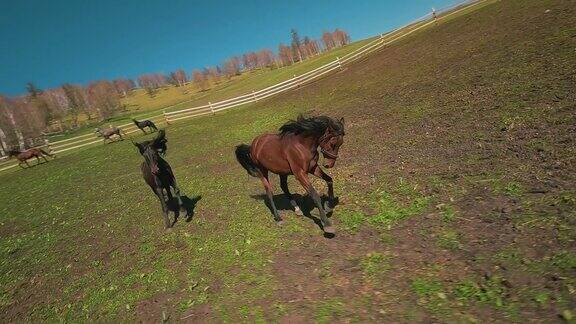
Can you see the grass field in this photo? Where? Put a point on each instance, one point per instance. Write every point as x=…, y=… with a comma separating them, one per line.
x=456, y=185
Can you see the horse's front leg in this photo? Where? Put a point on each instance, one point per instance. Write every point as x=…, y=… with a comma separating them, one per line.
x=26, y=161
x=160, y=193
x=284, y=186
x=177, y=193
x=302, y=177
x=318, y=172
x=20, y=164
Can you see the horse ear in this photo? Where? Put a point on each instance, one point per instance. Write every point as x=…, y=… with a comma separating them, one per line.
x=140, y=147
x=342, y=121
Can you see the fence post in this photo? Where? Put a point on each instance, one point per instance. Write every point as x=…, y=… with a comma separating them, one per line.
x=47, y=143
x=211, y=108
x=254, y=96
x=339, y=63
x=165, y=117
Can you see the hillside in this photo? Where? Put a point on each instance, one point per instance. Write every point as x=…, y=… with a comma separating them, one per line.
x=456, y=183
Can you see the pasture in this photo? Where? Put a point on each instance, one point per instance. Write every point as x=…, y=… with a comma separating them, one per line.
x=456, y=185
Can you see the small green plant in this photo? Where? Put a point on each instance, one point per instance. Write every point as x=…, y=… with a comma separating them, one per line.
x=491, y=291
x=375, y=264
x=448, y=212
x=392, y=209
x=351, y=220
x=449, y=240
x=426, y=287
x=329, y=309
x=541, y=297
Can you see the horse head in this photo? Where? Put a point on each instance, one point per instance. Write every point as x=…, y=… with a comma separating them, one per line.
x=331, y=141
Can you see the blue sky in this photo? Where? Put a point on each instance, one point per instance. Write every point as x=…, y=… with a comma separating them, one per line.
x=58, y=41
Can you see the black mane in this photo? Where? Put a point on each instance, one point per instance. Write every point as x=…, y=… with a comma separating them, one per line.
x=312, y=126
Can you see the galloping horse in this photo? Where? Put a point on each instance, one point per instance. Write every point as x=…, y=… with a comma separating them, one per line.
x=158, y=174
x=106, y=133
x=145, y=123
x=294, y=150
x=24, y=156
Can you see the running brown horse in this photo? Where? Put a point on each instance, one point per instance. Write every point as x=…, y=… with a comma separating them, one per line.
x=24, y=156
x=294, y=151
x=107, y=133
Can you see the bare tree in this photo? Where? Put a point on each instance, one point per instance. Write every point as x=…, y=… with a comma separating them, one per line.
x=199, y=80
x=285, y=55
x=179, y=77
x=103, y=98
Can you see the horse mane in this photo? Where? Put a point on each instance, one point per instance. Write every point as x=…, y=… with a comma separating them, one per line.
x=312, y=126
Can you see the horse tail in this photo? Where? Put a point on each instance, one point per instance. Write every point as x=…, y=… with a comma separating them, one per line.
x=243, y=157
x=45, y=153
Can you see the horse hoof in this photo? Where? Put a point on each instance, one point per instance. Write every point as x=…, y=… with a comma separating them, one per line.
x=168, y=230
x=298, y=212
x=329, y=230
x=280, y=222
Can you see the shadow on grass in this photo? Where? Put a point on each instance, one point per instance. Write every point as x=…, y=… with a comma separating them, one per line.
x=305, y=203
x=188, y=204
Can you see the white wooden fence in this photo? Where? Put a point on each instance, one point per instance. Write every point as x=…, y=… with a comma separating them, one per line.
x=213, y=107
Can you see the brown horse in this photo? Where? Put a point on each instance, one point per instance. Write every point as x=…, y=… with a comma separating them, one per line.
x=294, y=150
x=107, y=133
x=24, y=156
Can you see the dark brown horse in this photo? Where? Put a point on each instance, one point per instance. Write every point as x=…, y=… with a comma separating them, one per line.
x=145, y=123
x=294, y=150
x=24, y=156
x=158, y=174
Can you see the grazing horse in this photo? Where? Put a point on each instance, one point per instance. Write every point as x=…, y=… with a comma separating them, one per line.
x=294, y=150
x=145, y=123
x=106, y=133
x=158, y=174
x=24, y=156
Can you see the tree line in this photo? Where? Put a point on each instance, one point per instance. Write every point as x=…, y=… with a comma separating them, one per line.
x=24, y=118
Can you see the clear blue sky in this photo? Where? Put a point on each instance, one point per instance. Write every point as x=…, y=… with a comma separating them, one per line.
x=58, y=41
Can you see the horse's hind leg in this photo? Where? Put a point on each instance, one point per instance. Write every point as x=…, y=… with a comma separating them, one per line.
x=284, y=186
x=268, y=187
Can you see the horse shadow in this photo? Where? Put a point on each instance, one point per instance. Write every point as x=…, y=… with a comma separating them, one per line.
x=188, y=204
x=305, y=203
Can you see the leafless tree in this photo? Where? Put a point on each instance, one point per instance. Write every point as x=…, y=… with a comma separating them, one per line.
x=199, y=80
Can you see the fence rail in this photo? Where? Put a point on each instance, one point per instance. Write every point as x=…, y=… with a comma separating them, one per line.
x=211, y=108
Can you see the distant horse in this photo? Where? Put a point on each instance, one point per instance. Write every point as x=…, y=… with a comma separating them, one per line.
x=158, y=174
x=24, y=156
x=106, y=133
x=294, y=150
x=145, y=123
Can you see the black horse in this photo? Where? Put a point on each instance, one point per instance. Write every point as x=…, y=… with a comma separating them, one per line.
x=158, y=174
x=145, y=123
